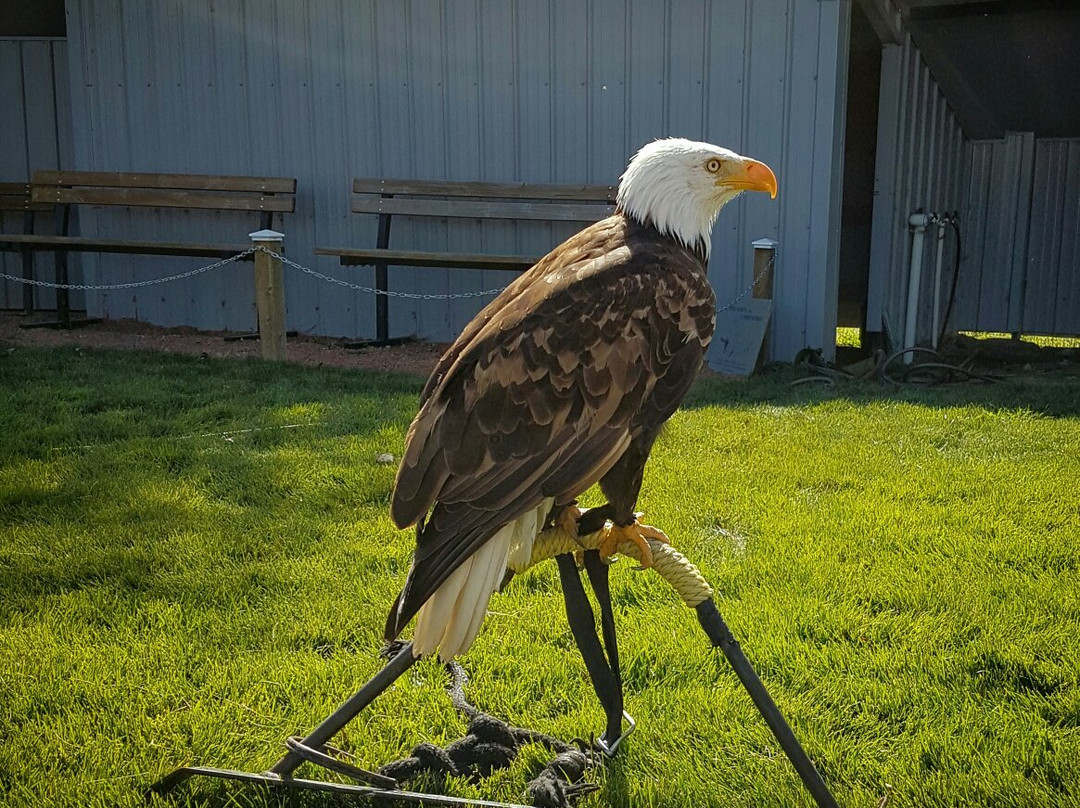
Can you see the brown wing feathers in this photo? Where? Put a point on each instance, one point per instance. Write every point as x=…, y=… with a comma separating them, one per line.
x=540, y=395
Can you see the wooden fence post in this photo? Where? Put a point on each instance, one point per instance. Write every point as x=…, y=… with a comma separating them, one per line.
x=270, y=293
x=764, y=264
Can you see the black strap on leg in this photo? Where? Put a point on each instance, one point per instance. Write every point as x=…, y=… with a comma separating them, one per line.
x=603, y=667
x=597, y=571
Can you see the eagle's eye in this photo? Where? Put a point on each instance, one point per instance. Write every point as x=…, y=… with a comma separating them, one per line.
x=713, y=165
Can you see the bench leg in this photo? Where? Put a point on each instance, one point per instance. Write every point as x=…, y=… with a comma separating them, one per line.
x=382, y=312
x=63, y=301
x=28, y=275
x=382, y=283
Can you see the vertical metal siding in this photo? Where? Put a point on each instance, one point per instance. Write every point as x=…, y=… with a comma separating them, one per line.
x=1045, y=234
x=821, y=293
x=920, y=160
x=36, y=109
x=1021, y=269
x=532, y=90
x=1064, y=206
x=13, y=157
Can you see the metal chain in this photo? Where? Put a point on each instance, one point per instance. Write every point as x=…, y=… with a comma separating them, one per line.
x=307, y=270
x=87, y=287
x=413, y=296
x=753, y=284
x=358, y=288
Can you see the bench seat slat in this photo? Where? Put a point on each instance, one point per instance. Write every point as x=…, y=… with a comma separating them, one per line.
x=473, y=209
x=14, y=203
x=191, y=182
x=162, y=198
x=418, y=258
x=496, y=190
x=12, y=241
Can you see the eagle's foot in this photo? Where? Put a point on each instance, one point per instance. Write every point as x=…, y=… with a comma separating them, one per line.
x=567, y=520
x=613, y=535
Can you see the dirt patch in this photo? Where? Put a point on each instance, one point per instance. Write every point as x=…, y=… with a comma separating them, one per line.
x=418, y=357
x=415, y=357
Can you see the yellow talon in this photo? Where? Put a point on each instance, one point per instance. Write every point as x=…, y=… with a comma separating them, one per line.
x=567, y=521
x=613, y=535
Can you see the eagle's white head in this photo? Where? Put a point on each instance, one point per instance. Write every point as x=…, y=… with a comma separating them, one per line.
x=679, y=187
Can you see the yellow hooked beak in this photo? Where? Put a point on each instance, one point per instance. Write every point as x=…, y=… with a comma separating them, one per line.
x=752, y=176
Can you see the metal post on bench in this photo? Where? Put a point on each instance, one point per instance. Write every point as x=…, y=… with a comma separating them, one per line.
x=270, y=293
x=382, y=281
x=28, y=262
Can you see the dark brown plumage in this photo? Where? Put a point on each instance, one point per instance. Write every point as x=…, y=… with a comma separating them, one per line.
x=581, y=359
x=563, y=381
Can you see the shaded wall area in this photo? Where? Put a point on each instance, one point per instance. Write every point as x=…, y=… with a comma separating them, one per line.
x=1020, y=265
x=35, y=105
x=920, y=166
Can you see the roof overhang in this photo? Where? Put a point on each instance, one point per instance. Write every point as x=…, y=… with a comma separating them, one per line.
x=1003, y=65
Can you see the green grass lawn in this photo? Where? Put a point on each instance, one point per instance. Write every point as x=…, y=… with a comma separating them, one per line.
x=196, y=561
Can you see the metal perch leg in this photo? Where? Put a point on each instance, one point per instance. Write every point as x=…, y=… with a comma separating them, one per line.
x=696, y=593
x=667, y=562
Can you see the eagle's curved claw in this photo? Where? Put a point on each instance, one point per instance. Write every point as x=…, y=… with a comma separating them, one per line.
x=567, y=520
x=613, y=535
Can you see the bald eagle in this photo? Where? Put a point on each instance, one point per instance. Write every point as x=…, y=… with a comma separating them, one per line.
x=564, y=380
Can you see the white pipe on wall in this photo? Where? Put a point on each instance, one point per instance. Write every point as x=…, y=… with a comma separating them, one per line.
x=918, y=222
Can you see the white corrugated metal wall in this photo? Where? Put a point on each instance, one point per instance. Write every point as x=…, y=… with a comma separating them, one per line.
x=920, y=166
x=1020, y=270
x=533, y=90
x=36, y=129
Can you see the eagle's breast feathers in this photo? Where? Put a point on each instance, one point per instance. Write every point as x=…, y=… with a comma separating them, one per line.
x=568, y=353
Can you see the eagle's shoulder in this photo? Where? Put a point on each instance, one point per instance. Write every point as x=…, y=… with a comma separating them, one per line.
x=602, y=263
x=568, y=353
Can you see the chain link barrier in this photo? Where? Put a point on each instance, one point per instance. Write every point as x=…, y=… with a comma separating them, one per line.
x=369, y=290
x=101, y=287
x=750, y=288
x=87, y=287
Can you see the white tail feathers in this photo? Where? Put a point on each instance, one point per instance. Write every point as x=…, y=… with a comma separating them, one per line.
x=451, y=618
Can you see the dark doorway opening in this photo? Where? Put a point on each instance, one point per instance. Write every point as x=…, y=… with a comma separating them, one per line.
x=860, y=149
x=32, y=18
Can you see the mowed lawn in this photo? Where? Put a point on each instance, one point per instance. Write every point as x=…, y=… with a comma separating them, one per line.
x=196, y=562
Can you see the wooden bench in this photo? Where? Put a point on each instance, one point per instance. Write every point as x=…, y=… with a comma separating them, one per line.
x=15, y=199
x=460, y=200
x=268, y=196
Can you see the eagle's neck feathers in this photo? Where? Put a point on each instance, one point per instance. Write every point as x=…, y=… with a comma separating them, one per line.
x=672, y=213
x=668, y=185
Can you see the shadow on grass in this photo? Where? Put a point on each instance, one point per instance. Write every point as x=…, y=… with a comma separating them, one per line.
x=120, y=466
x=205, y=793
x=1052, y=394
x=210, y=793
x=58, y=398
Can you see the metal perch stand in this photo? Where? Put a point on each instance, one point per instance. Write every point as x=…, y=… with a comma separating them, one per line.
x=667, y=562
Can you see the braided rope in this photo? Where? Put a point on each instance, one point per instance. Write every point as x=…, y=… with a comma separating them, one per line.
x=668, y=563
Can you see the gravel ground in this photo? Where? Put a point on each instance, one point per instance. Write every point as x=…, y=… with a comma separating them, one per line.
x=411, y=357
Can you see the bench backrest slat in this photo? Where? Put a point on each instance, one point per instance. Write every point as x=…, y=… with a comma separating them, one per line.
x=16, y=196
x=163, y=198
x=479, y=209
x=491, y=190
x=181, y=182
x=199, y=191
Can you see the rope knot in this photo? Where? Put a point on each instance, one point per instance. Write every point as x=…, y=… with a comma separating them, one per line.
x=558, y=785
x=490, y=730
x=434, y=758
